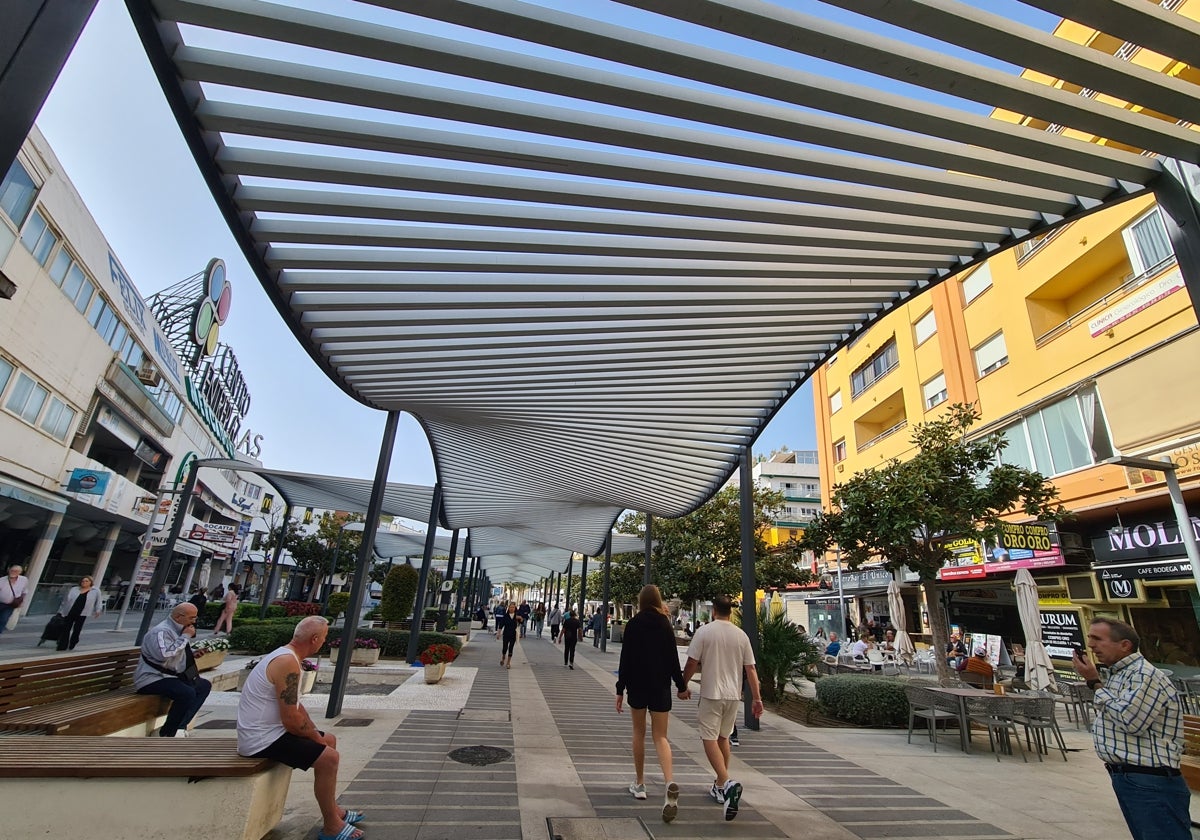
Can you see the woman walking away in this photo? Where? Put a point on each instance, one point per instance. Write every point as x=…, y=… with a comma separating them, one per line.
x=227, y=611
x=555, y=619
x=571, y=631
x=80, y=602
x=649, y=664
x=507, y=625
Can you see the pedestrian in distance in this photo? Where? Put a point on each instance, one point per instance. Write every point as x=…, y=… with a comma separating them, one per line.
x=12, y=595
x=79, y=602
x=649, y=664
x=227, y=611
x=572, y=632
x=721, y=652
x=599, y=624
x=524, y=612
x=167, y=667
x=1138, y=733
x=506, y=629
x=555, y=619
x=271, y=723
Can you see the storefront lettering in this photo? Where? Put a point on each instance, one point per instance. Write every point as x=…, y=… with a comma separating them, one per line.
x=1149, y=535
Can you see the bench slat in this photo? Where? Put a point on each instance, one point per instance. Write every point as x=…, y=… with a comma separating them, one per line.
x=23, y=756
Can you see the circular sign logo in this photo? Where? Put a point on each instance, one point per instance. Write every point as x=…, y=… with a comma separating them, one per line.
x=213, y=307
x=1121, y=588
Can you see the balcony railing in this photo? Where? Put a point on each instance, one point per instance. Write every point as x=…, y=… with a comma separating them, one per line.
x=885, y=433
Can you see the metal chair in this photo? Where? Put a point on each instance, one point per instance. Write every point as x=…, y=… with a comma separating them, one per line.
x=1036, y=713
x=996, y=713
x=924, y=660
x=975, y=679
x=924, y=704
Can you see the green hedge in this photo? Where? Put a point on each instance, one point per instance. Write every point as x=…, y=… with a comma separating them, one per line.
x=865, y=701
x=258, y=637
x=250, y=610
x=394, y=643
x=207, y=619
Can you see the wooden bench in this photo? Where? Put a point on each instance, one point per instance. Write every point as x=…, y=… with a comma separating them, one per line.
x=136, y=788
x=1191, y=751
x=77, y=694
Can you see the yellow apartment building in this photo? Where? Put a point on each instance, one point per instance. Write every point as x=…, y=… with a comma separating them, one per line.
x=1078, y=346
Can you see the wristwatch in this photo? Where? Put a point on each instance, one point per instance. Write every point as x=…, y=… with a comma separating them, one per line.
x=1093, y=684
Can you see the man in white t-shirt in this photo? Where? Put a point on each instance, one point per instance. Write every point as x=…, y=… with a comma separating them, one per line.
x=722, y=653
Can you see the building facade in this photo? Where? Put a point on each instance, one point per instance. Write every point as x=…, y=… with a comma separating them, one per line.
x=1078, y=347
x=100, y=412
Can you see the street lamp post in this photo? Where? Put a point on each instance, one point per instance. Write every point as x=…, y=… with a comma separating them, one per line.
x=1182, y=519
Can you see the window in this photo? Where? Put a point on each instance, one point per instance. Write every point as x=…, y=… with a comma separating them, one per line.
x=6, y=372
x=977, y=283
x=39, y=238
x=990, y=355
x=876, y=367
x=1147, y=242
x=17, y=192
x=835, y=402
x=839, y=451
x=1063, y=436
x=58, y=419
x=934, y=391
x=925, y=327
x=27, y=399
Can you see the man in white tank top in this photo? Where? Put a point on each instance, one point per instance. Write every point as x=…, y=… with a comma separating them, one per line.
x=273, y=724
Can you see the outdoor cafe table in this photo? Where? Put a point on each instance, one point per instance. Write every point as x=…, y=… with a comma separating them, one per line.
x=961, y=695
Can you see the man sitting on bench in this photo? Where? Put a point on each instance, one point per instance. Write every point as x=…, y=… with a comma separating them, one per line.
x=271, y=723
x=168, y=668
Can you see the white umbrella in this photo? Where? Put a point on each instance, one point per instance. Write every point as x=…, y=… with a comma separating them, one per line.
x=905, y=650
x=1039, y=670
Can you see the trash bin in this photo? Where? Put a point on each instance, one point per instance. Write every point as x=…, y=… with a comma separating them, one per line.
x=618, y=631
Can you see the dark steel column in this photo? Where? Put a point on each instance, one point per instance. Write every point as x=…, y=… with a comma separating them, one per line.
x=607, y=591
x=362, y=576
x=749, y=584
x=35, y=40
x=557, y=588
x=567, y=600
x=460, y=596
x=1182, y=219
x=164, y=556
x=435, y=516
x=646, y=569
x=444, y=600
x=582, y=587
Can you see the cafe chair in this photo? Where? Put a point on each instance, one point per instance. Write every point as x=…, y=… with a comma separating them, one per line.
x=925, y=704
x=996, y=713
x=1036, y=714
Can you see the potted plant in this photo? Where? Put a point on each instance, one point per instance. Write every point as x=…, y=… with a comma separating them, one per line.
x=210, y=653
x=435, y=658
x=365, y=652
x=308, y=674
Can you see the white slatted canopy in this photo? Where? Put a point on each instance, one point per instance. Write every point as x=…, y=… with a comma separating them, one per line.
x=594, y=251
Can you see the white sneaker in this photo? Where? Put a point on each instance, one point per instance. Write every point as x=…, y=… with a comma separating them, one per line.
x=638, y=791
x=181, y=733
x=671, y=806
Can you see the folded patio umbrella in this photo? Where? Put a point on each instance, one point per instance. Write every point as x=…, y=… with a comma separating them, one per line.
x=1039, y=670
x=905, y=650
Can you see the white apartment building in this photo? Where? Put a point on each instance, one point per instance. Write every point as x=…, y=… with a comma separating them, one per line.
x=98, y=411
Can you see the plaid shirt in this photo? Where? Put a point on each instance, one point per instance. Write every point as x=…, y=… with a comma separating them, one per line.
x=1138, y=717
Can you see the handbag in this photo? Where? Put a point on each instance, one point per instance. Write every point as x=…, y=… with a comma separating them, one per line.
x=54, y=628
x=188, y=675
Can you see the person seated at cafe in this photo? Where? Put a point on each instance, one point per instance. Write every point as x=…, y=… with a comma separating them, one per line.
x=834, y=647
x=956, y=651
x=889, y=641
x=978, y=664
x=860, y=647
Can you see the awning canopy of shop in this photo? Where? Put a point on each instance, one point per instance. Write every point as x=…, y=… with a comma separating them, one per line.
x=594, y=252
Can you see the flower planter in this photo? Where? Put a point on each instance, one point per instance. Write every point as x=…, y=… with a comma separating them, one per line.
x=307, y=680
x=434, y=673
x=360, y=656
x=208, y=661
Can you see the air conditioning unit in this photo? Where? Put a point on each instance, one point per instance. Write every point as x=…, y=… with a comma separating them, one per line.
x=1071, y=540
x=148, y=373
x=1084, y=589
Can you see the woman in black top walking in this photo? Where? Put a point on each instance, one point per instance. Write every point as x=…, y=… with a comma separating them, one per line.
x=572, y=629
x=649, y=664
x=507, y=625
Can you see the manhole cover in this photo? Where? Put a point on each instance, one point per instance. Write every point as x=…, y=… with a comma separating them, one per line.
x=355, y=722
x=480, y=756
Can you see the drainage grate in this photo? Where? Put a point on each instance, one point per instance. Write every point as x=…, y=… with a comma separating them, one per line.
x=591, y=828
x=479, y=756
x=355, y=722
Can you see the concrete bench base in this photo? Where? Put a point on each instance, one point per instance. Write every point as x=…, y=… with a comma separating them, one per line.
x=229, y=808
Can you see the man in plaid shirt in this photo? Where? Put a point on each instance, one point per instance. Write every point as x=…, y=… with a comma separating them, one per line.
x=1138, y=733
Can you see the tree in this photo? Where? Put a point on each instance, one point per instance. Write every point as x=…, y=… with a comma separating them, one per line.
x=904, y=511
x=699, y=556
x=399, y=590
x=625, y=580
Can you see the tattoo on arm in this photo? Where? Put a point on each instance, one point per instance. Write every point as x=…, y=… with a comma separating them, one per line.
x=291, y=690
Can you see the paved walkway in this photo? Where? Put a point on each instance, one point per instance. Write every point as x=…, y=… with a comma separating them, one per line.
x=552, y=758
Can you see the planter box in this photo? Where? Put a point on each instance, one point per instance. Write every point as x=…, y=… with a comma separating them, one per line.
x=307, y=679
x=359, y=656
x=208, y=661
x=435, y=672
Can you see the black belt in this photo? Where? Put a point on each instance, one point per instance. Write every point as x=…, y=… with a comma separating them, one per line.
x=1137, y=768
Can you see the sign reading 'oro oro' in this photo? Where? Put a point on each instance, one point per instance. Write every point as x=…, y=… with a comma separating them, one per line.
x=212, y=308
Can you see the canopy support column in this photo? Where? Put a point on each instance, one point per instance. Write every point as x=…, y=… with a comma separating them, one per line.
x=272, y=579
x=607, y=592
x=414, y=632
x=448, y=583
x=749, y=584
x=583, y=587
x=366, y=553
x=1181, y=216
x=647, y=571
x=164, y=556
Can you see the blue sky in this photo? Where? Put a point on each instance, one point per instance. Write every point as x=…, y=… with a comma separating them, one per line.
x=110, y=126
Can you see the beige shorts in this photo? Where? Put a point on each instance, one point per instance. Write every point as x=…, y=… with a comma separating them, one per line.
x=715, y=718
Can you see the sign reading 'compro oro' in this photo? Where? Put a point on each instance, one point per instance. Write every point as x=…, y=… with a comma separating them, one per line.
x=1032, y=545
